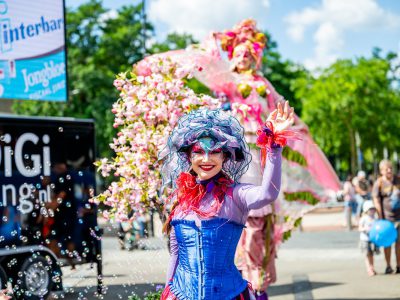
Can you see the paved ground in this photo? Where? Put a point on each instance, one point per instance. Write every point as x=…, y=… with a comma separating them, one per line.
x=333, y=268
x=125, y=273
x=322, y=262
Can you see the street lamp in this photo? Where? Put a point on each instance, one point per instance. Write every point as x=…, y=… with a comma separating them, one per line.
x=144, y=26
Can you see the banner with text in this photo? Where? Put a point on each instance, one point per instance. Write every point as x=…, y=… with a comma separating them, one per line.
x=32, y=50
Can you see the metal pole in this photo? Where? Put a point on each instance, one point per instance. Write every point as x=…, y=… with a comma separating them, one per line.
x=359, y=153
x=144, y=26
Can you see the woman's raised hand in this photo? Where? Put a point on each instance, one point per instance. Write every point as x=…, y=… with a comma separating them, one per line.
x=282, y=117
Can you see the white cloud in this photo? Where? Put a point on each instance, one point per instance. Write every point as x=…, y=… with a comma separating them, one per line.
x=298, y=21
x=328, y=42
x=332, y=19
x=199, y=17
x=111, y=14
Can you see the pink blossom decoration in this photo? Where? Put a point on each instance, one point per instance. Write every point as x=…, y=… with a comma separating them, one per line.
x=152, y=98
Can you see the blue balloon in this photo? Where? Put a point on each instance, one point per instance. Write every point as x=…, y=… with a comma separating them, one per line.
x=383, y=233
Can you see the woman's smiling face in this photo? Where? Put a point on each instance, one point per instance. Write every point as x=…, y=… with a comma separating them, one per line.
x=206, y=162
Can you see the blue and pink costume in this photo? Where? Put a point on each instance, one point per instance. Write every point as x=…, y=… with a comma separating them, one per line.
x=208, y=220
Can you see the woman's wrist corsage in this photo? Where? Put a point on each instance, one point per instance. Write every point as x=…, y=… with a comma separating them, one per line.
x=267, y=138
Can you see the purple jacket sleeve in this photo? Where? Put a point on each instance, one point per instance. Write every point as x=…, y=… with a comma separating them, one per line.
x=173, y=261
x=254, y=197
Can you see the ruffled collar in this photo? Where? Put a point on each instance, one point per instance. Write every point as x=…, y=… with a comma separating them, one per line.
x=190, y=191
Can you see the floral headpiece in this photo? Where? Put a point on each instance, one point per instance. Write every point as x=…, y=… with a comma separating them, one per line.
x=244, y=38
x=224, y=129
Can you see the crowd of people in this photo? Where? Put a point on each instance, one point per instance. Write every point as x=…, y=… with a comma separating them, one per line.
x=367, y=200
x=356, y=190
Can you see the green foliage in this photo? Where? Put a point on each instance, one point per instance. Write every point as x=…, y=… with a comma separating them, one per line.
x=301, y=196
x=288, y=153
x=349, y=97
x=294, y=156
x=148, y=296
x=98, y=47
x=198, y=87
x=297, y=223
x=286, y=235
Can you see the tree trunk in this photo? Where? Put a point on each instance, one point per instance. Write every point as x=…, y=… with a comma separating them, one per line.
x=353, y=151
x=352, y=138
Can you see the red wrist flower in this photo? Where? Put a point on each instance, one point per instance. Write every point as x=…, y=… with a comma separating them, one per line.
x=268, y=138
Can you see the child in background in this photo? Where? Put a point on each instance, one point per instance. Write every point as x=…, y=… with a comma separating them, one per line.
x=365, y=224
x=350, y=204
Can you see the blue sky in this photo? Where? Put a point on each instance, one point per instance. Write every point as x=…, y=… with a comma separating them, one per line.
x=311, y=32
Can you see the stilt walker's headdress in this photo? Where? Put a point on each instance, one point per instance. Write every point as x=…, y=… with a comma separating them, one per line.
x=243, y=39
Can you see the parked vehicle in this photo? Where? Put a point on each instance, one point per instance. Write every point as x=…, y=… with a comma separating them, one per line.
x=46, y=219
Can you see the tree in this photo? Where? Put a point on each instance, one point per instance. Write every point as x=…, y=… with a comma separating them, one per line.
x=152, y=99
x=99, y=46
x=352, y=97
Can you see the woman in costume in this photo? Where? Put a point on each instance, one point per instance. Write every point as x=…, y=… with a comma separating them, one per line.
x=307, y=176
x=205, y=157
x=256, y=251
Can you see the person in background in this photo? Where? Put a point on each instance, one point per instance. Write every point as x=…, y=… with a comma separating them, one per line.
x=350, y=204
x=364, y=226
x=363, y=191
x=141, y=226
x=60, y=226
x=385, y=194
x=128, y=235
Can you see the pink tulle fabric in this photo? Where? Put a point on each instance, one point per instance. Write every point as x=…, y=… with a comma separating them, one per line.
x=167, y=294
x=220, y=79
x=216, y=73
x=318, y=177
x=251, y=253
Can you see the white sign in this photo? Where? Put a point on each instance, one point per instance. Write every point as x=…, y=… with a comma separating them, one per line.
x=32, y=50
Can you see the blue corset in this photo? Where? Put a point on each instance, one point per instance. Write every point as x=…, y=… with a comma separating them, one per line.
x=206, y=268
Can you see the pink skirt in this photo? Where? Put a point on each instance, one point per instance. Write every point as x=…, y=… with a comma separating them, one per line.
x=251, y=254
